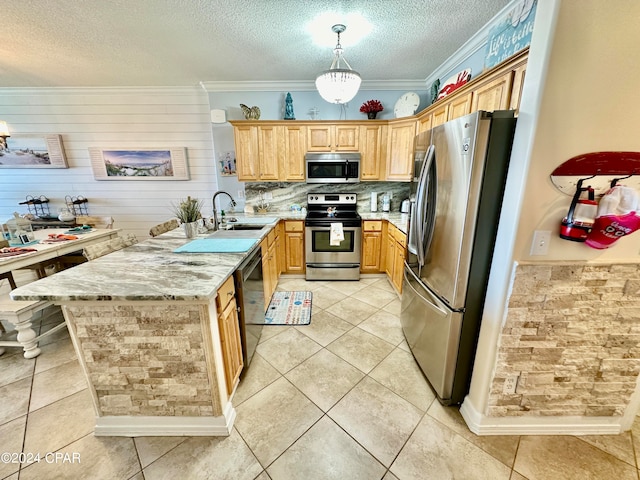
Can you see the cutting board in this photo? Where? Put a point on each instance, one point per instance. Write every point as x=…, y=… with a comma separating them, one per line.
x=217, y=245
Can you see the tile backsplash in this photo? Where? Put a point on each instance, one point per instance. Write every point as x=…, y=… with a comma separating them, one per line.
x=286, y=194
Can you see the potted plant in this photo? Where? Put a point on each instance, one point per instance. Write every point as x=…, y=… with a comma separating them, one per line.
x=371, y=108
x=188, y=212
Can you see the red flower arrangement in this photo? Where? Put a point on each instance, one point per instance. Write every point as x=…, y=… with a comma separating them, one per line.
x=371, y=106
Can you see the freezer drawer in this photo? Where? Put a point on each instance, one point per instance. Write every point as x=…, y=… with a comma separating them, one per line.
x=432, y=331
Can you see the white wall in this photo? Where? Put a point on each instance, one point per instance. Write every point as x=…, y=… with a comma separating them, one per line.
x=590, y=104
x=111, y=117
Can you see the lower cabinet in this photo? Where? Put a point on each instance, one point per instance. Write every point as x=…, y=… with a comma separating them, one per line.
x=396, y=253
x=229, y=328
x=270, y=265
x=294, y=246
x=372, y=252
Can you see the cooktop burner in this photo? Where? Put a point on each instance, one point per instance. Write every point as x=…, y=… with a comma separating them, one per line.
x=323, y=208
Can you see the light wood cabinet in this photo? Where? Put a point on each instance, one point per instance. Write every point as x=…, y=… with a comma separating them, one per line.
x=332, y=138
x=270, y=264
x=294, y=246
x=246, y=141
x=269, y=152
x=494, y=94
x=400, y=152
x=516, y=87
x=372, y=252
x=372, y=150
x=229, y=328
x=440, y=115
x=258, y=152
x=396, y=253
x=459, y=106
x=295, y=146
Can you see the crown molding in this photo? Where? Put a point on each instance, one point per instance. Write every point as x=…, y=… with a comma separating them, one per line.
x=471, y=46
x=306, y=85
x=99, y=90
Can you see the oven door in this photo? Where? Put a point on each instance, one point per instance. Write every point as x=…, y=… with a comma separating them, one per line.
x=320, y=251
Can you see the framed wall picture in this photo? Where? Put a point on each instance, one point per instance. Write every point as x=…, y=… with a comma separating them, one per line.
x=139, y=163
x=227, y=162
x=33, y=151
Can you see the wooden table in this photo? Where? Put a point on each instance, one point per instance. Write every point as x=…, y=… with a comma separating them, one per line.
x=19, y=313
x=48, y=251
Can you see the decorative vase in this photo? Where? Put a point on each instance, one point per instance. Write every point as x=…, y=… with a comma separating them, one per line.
x=372, y=115
x=190, y=229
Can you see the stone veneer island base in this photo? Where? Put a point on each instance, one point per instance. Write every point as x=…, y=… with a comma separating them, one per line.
x=152, y=368
x=144, y=325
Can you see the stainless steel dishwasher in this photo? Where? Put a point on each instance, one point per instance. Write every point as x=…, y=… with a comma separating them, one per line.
x=250, y=294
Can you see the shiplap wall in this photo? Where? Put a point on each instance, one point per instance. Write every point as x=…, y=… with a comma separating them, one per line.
x=111, y=117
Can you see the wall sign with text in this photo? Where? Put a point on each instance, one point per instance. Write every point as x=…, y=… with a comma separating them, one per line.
x=512, y=34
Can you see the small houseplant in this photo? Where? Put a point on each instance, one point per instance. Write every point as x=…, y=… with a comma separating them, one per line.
x=188, y=212
x=371, y=108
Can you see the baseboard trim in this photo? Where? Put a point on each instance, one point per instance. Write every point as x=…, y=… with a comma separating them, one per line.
x=568, y=425
x=156, y=426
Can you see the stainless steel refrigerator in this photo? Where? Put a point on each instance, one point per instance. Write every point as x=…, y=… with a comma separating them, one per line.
x=461, y=169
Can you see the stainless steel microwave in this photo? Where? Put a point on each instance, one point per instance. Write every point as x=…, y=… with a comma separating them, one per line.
x=332, y=167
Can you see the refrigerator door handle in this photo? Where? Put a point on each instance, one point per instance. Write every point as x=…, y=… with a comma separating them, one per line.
x=416, y=240
x=432, y=299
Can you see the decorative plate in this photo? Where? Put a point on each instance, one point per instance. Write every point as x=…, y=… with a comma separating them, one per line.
x=454, y=82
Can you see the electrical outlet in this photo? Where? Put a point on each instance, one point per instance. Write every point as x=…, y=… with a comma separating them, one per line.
x=510, y=384
x=240, y=193
x=268, y=196
x=540, y=243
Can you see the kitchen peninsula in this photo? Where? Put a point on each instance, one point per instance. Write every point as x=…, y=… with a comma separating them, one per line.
x=143, y=322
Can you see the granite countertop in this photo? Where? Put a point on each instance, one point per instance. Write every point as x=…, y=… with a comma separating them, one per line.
x=151, y=271
x=148, y=271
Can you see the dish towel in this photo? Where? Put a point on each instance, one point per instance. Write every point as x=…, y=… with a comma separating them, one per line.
x=336, y=234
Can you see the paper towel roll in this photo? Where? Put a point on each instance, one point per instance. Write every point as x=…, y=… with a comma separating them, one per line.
x=374, y=202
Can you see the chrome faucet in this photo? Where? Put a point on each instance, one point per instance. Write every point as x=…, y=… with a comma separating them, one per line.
x=215, y=212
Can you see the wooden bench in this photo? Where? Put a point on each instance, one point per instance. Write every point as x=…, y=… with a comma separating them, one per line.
x=20, y=313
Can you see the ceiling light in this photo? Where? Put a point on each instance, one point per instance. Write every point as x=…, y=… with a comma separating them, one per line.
x=338, y=85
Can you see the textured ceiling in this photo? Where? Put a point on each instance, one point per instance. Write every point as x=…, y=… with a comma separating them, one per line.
x=47, y=43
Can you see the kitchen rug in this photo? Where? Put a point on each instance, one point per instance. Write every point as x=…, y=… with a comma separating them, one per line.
x=289, y=308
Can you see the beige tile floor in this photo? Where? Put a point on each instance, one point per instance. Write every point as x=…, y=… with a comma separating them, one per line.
x=341, y=398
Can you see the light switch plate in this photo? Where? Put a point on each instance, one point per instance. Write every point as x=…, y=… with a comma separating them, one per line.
x=540, y=243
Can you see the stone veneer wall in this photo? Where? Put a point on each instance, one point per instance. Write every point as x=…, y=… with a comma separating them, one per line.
x=148, y=360
x=572, y=332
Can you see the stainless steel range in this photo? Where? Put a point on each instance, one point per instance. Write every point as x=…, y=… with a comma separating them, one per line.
x=333, y=231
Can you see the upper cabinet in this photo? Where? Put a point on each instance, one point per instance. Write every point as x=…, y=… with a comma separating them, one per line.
x=373, y=141
x=332, y=138
x=274, y=150
x=400, y=156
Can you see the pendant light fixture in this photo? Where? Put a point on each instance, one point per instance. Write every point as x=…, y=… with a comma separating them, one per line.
x=338, y=85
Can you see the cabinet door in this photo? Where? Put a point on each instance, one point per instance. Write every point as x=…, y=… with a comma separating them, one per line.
x=424, y=123
x=319, y=138
x=400, y=145
x=371, y=252
x=231, y=345
x=346, y=138
x=391, y=249
x=493, y=95
x=294, y=247
x=266, y=273
x=269, y=152
x=294, y=149
x=371, y=151
x=273, y=269
x=440, y=115
x=459, y=106
x=246, y=140
x=398, y=267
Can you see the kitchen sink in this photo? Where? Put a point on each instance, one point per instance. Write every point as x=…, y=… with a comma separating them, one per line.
x=244, y=226
x=240, y=231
